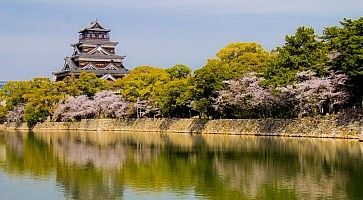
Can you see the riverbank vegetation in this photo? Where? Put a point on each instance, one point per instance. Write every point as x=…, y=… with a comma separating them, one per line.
x=309, y=75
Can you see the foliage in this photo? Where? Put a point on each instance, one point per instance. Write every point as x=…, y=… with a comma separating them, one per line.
x=40, y=100
x=35, y=112
x=145, y=108
x=301, y=51
x=241, y=58
x=232, y=61
x=276, y=75
x=3, y=113
x=69, y=86
x=154, y=88
x=13, y=92
x=179, y=71
x=305, y=76
x=89, y=84
x=143, y=82
x=201, y=105
x=39, y=96
x=346, y=45
x=175, y=99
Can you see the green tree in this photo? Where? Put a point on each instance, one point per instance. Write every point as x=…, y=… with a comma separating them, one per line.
x=346, y=43
x=301, y=51
x=176, y=97
x=39, y=95
x=89, y=84
x=144, y=82
x=346, y=46
x=242, y=57
x=231, y=62
x=207, y=81
x=277, y=75
x=69, y=86
x=3, y=112
x=202, y=105
x=35, y=112
x=12, y=93
x=179, y=71
x=41, y=100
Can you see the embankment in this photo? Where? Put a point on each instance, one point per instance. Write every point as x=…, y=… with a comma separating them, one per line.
x=333, y=126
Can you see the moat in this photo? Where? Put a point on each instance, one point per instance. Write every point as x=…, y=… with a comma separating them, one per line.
x=110, y=165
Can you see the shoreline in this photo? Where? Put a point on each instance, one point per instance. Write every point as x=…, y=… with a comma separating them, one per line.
x=332, y=126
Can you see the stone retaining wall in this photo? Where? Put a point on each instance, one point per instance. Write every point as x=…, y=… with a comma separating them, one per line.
x=327, y=126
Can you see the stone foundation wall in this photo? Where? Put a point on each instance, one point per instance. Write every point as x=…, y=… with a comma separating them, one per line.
x=334, y=126
x=14, y=126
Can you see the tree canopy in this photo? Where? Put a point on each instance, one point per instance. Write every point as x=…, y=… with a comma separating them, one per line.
x=233, y=61
x=176, y=97
x=346, y=47
x=144, y=82
x=301, y=51
x=179, y=71
x=307, y=75
x=89, y=84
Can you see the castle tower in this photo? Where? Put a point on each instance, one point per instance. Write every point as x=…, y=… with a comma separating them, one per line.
x=94, y=52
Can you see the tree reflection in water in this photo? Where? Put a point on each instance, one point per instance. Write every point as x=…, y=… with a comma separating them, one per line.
x=102, y=165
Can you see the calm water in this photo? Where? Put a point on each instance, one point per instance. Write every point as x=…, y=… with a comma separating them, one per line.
x=176, y=166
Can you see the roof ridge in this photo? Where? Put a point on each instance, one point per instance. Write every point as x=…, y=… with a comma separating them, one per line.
x=94, y=25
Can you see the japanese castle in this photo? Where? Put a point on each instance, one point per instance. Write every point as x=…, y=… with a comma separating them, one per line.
x=95, y=53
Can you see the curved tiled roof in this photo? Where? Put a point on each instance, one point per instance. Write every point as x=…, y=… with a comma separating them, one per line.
x=98, y=56
x=96, y=42
x=94, y=26
x=97, y=72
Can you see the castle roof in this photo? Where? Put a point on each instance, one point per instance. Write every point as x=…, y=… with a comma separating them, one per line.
x=94, y=26
x=95, y=42
x=98, y=56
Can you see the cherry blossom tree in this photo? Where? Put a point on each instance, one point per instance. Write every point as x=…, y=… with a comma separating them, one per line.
x=76, y=108
x=146, y=108
x=103, y=104
x=17, y=114
x=320, y=94
x=111, y=105
x=313, y=95
x=246, y=97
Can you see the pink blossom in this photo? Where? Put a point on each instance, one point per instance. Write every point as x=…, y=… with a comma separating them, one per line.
x=17, y=114
x=311, y=95
x=245, y=94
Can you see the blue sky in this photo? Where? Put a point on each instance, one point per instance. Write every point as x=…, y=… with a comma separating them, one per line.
x=35, y=35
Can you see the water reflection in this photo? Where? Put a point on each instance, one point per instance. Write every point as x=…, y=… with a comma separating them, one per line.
x=135, y=165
